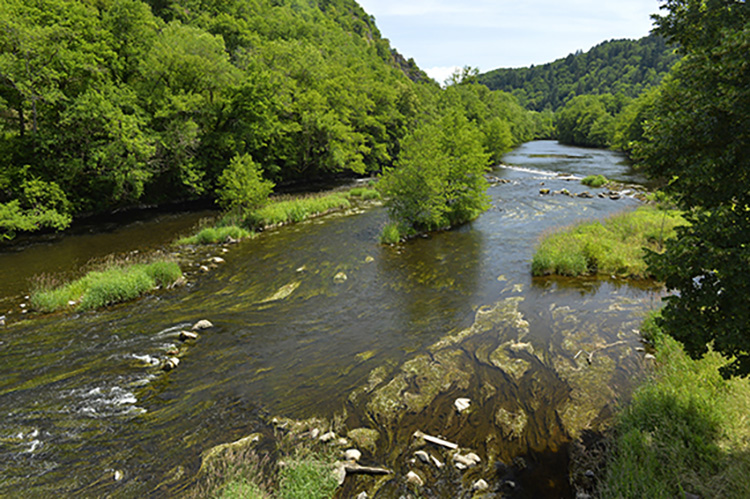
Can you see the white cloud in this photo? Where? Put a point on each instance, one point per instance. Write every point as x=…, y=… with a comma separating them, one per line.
x=441, y=73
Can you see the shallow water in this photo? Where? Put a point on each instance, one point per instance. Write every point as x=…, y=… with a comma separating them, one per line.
x=82, y=396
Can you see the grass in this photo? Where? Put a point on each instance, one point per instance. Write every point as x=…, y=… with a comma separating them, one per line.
x=293, y=210
x=391, y=234
x=595, y=181
x=614, y=247
x=686, y=430
x=116, y=283
x=214, y=235
x=364, y=193
x=308, y=477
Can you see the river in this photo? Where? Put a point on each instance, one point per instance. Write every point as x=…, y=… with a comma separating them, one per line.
x=82, y=396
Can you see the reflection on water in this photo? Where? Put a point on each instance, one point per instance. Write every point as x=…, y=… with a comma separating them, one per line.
x=302, y=316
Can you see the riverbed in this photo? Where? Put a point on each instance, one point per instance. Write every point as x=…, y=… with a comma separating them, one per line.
x=302, y=317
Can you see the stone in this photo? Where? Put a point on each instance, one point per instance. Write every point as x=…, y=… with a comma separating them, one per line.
x=649, y=356
x=423, y=456
x=327, y=437
x=362, y=495
x=118, y=475
x=467, y=460
x=314, y=433
x=413, y=479
x=170, y=364
x=204, y=269
x=339, y=473
x=480, y=485
x=585, y=195
x=188, y=335
x=462, y=404
x=544, y=191
x=217, y=260
x=202, y=324
x=438, y=464
x=352, y=455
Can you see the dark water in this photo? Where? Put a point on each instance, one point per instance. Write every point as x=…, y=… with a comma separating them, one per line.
x=82, y=396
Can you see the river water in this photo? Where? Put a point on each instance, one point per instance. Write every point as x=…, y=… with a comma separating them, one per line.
x=82, y=396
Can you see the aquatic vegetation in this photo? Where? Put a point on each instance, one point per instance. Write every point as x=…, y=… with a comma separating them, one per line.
x=613, y=247
x=117, y=283
x=685, y=430
x=364, y=193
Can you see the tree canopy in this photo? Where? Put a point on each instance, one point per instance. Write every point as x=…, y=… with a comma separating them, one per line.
x=697, y=140
x=120, y=102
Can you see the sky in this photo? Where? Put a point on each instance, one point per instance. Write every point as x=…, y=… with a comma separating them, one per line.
x=442, y=35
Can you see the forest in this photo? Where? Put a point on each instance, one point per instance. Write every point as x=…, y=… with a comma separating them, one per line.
x=121, y=103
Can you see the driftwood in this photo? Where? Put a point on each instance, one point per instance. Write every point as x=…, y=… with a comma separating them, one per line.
x=367, y=470
x=435, y=440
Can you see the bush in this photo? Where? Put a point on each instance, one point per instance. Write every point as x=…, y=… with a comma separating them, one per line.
x=684, y=431
x=242, y=185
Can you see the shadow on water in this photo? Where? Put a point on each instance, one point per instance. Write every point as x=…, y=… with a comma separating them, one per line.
x=317, y=319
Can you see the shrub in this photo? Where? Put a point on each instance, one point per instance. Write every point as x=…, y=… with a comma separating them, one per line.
x=391, y=234
x=242, y=185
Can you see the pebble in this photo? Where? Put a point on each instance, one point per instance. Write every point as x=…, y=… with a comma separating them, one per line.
x=414, y=479
x=188, y=335
x=314, y=433
x=170, y=363
x=202, y=324
x=217, y=260
x=352, y=455
x=327, y=437
x=462, y=404
x=363, y=495
x=423, y=456
x=118, y=475
x=480, y=485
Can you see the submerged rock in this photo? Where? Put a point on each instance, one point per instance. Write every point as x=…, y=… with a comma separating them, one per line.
x=283, y=292
x=340, y=278
x=512, y=423
x=364, y=438
x=480, y=485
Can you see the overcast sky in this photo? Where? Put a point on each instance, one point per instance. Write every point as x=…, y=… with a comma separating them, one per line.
x=442, y=35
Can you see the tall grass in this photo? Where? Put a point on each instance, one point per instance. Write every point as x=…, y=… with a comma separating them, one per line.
x=214, y=235
x=295, y=210
x=614, y=247
x=117, y=283
x=308, y=477
x=686, y=430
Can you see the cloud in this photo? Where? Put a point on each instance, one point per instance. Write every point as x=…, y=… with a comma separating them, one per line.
x=441, y=73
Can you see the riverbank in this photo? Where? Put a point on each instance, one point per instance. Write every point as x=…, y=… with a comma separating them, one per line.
x=686, y=432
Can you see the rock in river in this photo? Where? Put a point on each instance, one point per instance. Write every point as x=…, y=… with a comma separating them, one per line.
x=202, y=324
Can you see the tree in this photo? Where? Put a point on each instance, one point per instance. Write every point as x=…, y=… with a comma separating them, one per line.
x=438, y=180
x=698, y=143
x=584, y=121
x=241, y=185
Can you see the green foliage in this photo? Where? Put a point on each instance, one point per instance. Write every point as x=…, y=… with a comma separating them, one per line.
x=309, y=477
x=626, y=67
x=438, y=181
x=391, y=234
x=585, y=121
x=615, y=247
x=241, y=185
x=595, y=181
x=684, y=431
x=112, y=285
x=696, y=143
x=365, y=193
x=214, y=235
x=242, y=489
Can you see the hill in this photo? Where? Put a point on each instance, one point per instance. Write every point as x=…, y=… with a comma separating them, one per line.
x=626, y=67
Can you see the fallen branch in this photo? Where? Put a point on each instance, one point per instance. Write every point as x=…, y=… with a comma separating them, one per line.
x=435, y=440
x=367, y=470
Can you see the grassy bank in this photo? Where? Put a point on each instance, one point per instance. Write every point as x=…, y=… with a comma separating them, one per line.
x=613, y=247
x=687, y=430
x=117, y=282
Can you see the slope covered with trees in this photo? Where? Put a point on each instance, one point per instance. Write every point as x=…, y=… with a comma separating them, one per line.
x=120, y=102
x=625, y=67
